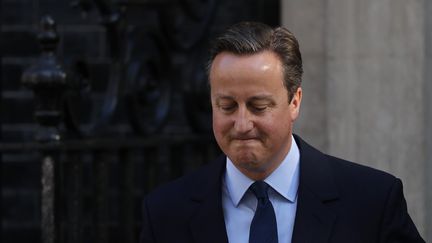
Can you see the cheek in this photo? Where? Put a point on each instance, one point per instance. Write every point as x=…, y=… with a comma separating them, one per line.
x=275, y=126
x=220, y=124
x=271, y=122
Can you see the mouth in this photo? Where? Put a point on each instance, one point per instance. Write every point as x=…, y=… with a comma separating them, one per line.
x=245, y=140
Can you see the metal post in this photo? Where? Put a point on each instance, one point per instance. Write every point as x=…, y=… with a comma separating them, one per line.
x=101, y=200
x=126, y=165
x=48, y=81
x=49, y=224
x=150, y=155
x=73, y=177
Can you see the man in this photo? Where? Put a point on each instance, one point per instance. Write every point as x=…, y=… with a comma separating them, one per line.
x=271, y=186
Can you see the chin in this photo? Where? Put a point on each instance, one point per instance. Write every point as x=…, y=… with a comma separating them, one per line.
x=245, y=159
x=254, y=168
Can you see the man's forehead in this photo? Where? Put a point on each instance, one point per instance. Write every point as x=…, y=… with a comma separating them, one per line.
x=232, y=55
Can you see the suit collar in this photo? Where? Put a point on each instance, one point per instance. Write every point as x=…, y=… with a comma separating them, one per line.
x=317, y=197
x=318, y=194
x=315, y=172
x=208, y=219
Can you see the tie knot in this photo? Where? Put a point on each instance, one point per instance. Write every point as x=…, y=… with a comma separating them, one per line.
x=260, y=188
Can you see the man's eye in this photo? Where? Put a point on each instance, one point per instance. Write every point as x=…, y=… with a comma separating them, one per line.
x=259, y=108
x=228, y=107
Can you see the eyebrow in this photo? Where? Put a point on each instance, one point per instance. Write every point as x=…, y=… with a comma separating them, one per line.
x=261, y=97
x=253, y=98
x=222, y=97
x=256, y=97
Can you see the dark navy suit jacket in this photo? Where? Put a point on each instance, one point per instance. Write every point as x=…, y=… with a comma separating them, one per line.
x=338, y=201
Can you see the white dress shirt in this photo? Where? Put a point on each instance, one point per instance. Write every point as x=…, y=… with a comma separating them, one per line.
x=239, y=204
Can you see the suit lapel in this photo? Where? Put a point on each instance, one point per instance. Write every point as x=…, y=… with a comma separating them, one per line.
x=207, y=224
x=316, y=206
x=317, y=197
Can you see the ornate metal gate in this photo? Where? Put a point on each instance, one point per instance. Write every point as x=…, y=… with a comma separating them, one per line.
x=102, y=144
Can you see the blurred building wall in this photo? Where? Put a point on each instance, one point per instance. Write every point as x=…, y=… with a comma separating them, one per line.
x=367, y=87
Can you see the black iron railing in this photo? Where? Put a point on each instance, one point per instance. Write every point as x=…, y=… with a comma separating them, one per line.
x=94, y=170
x=89, y=189
x=92, y=188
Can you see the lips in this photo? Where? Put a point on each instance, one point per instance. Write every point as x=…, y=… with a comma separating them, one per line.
x=244, y=140
x=251, y=138
x=239, y=136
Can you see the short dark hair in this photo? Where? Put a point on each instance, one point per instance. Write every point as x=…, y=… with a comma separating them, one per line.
x=253, y=37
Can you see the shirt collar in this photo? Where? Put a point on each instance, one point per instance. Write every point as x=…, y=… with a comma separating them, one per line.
x=284, y=180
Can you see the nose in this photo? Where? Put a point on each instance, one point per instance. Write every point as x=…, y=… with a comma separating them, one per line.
x=243, y=122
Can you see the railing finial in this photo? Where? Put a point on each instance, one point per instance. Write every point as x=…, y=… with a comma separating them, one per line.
x=48, y=81
x=48, y=36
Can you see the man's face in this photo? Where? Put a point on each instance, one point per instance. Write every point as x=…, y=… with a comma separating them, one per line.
x=252, y=116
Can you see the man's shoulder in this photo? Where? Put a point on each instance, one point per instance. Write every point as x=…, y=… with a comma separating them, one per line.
x=360, y=182
x=189, y=185
x=346, y=174
x=348, y=171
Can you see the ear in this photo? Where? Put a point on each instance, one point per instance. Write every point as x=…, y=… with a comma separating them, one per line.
x=295, y=103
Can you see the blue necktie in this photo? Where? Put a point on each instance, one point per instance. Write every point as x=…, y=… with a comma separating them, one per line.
x=263, y=228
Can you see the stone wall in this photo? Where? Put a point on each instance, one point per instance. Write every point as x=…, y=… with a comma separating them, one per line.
x=366, y=90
